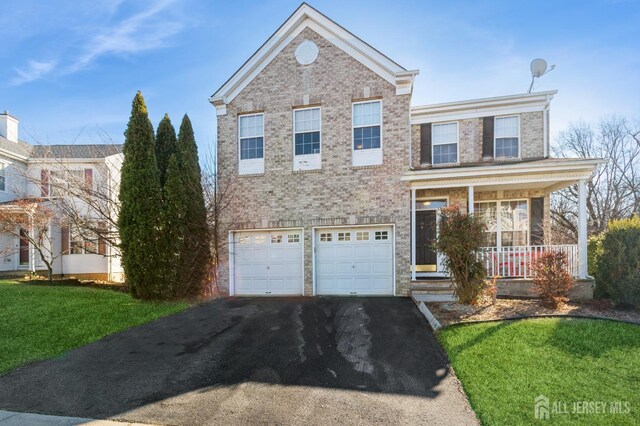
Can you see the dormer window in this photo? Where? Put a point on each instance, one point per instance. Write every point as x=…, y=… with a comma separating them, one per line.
x=507, y=137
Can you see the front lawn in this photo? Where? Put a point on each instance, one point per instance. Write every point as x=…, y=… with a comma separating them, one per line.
x=504, y=366
x=38, y=322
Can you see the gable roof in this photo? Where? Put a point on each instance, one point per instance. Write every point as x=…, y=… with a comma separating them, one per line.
x=19, y=150
x=91, y=151
x=304, y=17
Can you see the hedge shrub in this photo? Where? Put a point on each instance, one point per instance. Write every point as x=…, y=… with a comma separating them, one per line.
x=594, y=251
x=618, y=263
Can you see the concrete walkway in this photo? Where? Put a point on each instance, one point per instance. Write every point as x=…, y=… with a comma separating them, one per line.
x=12, y=418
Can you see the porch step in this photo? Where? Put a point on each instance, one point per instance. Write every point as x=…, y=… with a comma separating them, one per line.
x=433, y=296
x=431, y=284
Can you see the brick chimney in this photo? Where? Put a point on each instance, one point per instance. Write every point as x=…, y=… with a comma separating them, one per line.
x=9, y=126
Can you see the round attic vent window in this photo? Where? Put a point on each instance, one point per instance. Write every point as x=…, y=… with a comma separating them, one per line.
x=307, y=52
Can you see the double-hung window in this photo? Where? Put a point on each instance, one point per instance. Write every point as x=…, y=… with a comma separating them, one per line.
x=507, y=137
x=251, y=136
x=2, y=177
x=444, y=139
x=367, y=133
x=506, y=222
x=306, y=139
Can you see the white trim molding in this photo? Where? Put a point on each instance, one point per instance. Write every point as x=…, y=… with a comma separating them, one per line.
x=475, y=108
x=308, y=17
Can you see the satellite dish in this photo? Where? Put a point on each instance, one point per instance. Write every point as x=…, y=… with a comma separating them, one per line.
x=538, y=67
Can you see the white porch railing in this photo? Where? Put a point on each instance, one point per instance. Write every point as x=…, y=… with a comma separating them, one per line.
x=517, y=261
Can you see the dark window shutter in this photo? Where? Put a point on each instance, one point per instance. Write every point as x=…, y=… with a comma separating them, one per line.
x=537, y=221
x=487, y=137
x=102, y=243
x=425, y=143
x=88, y=179
x=64, y=239
x=44, y=183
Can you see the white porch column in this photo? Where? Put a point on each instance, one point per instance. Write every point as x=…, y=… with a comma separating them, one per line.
x=470, y=200
x=413, y=234
x=582, y=229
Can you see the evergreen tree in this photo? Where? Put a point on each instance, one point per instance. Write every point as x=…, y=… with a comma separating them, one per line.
x=166, y=145
x=176, y=231
x=196, y=263
x=140, y=221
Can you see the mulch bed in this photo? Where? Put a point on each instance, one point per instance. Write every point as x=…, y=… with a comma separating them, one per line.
x=455, y=313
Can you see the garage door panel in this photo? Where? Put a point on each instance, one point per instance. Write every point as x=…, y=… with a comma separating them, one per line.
x=265, y=263
x=363, y=267
x=343, y=250
x=382, y=268
x=352, y=261
x=343, y=267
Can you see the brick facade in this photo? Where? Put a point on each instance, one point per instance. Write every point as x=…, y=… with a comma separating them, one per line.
x=470, y=138
x=338, y=193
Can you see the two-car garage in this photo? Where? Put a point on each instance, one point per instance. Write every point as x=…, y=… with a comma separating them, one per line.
x=345, y=261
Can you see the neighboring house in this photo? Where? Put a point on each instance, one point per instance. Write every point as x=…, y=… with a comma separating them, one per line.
x=338, y=180
x=36, y=175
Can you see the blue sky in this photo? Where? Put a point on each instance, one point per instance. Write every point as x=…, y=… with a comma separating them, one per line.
x=71, y=67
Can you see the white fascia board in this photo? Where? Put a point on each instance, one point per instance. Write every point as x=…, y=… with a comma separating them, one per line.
x=481, y=107
x=507, y=169
x=13, y=155
x=307, y=17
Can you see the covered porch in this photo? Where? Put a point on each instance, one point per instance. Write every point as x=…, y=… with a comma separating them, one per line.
x=513, y=201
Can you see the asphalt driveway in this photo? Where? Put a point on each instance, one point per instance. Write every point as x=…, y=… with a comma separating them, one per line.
x=255, y=360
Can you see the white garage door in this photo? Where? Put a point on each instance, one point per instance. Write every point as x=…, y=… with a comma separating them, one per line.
x=268, y=263
x=354, y=261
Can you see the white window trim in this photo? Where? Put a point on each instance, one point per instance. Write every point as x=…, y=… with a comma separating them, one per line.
x=366, y=157
x=306, y=161
x=519, y=138
x=254, y=165
x=499, y=217
x=4, y=165
x=457, y=123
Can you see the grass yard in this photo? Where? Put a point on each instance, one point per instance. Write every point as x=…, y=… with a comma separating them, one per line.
x=504, y=366
x=38, y=322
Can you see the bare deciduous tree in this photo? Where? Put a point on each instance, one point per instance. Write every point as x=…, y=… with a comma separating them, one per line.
x=218, y=195
x=614, y=191
x=30, y=220
x=89, y=204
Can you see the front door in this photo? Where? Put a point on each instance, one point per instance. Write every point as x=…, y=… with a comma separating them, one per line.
x=426, y=229
x=24, y=248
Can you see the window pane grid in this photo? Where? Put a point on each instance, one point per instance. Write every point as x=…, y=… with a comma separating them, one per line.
x=508, y=220
x=366, y=137
x=307, y=143
x=506, y=127
x=507, y=133
x=366, y=114
x=251, y=126
x=507, y=147
x=445, y=154
x=251, y=148
x=444, y=133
